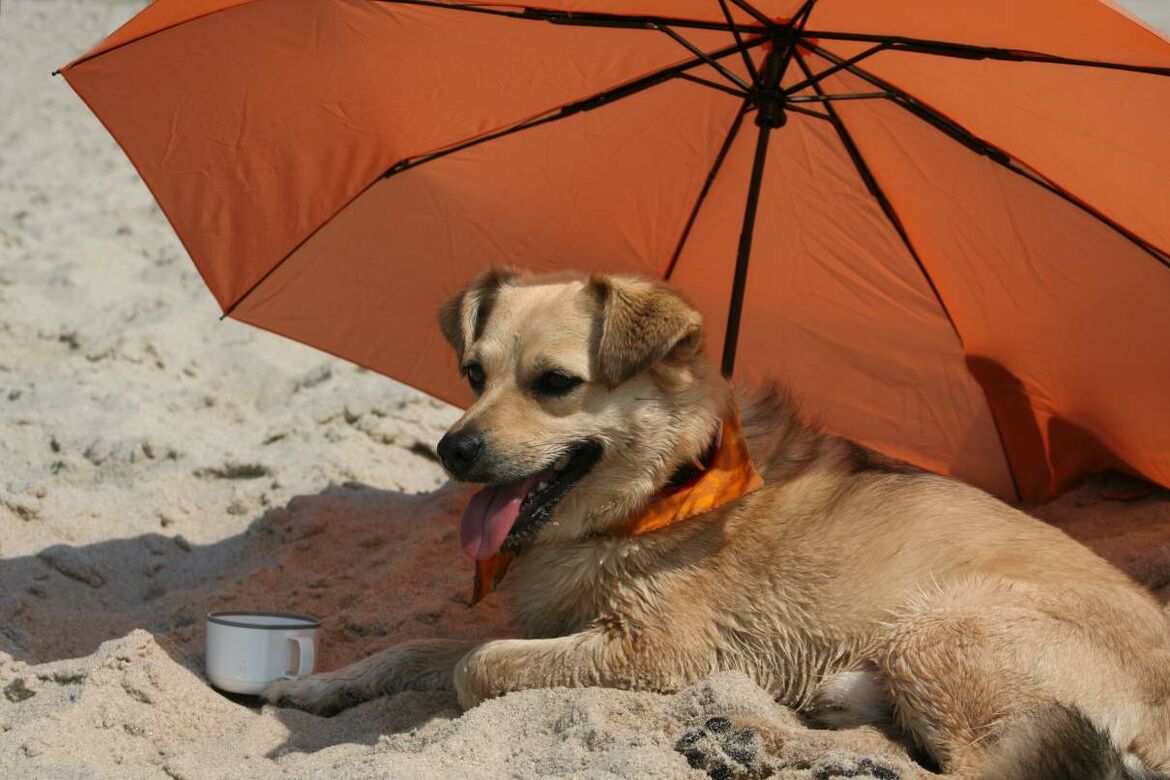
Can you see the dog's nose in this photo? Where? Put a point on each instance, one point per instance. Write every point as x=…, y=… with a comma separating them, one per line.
x=459, y=450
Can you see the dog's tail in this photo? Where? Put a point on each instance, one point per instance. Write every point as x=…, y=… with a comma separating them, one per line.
x=1059, y=743
x=780, y=441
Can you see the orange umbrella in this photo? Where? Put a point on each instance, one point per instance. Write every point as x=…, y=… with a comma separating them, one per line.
x=954, y=245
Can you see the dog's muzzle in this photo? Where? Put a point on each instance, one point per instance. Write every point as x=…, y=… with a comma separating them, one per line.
x=459, y=451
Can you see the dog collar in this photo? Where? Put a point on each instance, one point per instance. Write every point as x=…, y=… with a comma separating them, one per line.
x=688, y=472
x=722, y=474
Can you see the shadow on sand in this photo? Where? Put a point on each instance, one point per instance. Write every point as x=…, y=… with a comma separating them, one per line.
x=375, y=566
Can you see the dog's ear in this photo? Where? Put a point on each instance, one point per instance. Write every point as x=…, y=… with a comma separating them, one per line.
x=464, y=316
x=639, y=323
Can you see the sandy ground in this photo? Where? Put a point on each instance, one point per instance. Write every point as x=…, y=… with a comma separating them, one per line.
x=156, y=463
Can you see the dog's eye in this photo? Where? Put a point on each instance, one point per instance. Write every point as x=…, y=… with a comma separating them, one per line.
x=475, y=376
x=555, y=382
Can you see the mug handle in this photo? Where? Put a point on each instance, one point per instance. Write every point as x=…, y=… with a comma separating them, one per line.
x=307, y=657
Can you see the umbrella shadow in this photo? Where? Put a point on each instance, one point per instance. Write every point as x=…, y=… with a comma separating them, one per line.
x=375, y=566
x=66, y=600
x=1044, y=452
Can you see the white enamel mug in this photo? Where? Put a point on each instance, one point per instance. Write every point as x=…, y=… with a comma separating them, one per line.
x=248, y=650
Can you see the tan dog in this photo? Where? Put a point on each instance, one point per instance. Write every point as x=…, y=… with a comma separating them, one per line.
x=854, y=590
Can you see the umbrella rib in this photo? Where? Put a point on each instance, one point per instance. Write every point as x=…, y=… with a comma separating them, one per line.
x=530, y=14
x=695, y=50
x=875, y=189
x=824, y=74
x=796, y=26
x=973, y=52
x=807, y=112
x=712, y=84
x=992, y=152
x=754, y=12
x=407, y=163
x=728, y=140
x=829, y=98
x=887, y=207
x=586, y=104
x=805, y=12
x=587, y=18
x=753, y=74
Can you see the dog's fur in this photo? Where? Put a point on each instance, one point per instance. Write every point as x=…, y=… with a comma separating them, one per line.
x=852, y=588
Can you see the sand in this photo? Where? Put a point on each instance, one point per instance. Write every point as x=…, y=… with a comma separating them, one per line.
x=157, y=463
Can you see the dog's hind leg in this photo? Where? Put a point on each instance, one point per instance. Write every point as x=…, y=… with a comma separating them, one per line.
x=419, y=665
x=975, y=675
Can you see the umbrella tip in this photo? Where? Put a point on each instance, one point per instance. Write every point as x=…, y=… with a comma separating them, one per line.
x=57, y=72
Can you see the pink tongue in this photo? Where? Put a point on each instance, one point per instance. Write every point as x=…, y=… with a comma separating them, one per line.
x=489, y=516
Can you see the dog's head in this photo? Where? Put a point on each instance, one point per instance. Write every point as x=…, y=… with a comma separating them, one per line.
x=590, y=391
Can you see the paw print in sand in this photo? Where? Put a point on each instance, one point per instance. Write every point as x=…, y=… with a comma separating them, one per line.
x=865, y=767
x=724, y=752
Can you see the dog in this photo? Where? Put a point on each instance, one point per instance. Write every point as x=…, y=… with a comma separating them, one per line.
x=854, y=588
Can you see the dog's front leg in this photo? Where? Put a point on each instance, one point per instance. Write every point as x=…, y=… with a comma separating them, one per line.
x=419, y=665
x=595, y=657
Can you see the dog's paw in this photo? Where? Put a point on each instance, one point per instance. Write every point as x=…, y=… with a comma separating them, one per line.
x=863, y=768
x=320, y=694
x=725, y=752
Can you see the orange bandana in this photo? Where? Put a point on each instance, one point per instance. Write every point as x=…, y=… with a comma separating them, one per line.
x=730, y=474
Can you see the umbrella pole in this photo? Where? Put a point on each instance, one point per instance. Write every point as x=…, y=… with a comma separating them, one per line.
x=769, y=116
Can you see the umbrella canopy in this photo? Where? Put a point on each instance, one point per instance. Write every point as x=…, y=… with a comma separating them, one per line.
x=944, y=225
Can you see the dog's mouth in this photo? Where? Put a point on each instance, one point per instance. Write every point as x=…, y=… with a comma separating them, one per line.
x=505, y=516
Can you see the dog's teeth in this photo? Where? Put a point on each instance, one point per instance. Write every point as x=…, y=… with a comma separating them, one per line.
x=561, y=463
x=542, y=486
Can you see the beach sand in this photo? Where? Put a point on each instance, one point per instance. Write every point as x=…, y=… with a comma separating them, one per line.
x=157, y=463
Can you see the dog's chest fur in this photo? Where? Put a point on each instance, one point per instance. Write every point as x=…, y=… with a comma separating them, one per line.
x=563, y=589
